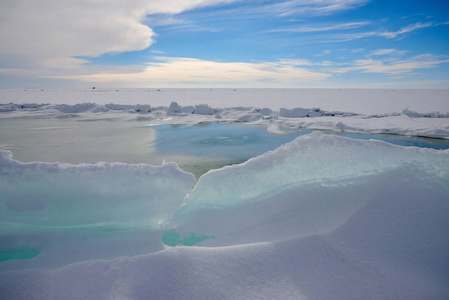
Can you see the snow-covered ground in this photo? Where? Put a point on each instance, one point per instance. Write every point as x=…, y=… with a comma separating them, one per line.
x=405, y=112
x=320, y=217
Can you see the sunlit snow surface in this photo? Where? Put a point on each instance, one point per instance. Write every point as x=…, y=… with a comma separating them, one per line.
x=320, y=216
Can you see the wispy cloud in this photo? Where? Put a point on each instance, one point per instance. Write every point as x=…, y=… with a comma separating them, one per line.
x=393, y=67
x=324, y=52
x=289, y=8
x=172, y=70
x=314, y=7
x=322, y=27
x=381, y=52
x=175, y=23
x=387, y=34
x=406, y=29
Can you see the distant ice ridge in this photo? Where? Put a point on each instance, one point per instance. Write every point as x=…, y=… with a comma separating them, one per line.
x=70, y=211
x=175, y=109
x=323, y=217
x=432, y=124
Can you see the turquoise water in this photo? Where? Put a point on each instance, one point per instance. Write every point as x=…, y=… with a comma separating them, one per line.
x=173, y=239
x=240, y=142
x=197, y=149
x=21, y=253
x=438, y=144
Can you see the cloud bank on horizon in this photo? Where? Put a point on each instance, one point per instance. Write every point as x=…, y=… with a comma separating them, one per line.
x=225, y=43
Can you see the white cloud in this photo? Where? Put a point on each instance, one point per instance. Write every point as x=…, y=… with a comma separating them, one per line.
x=48, y=33
x=387, y=34
x=393, y=67
x=406, y=29
x=314, y=7
x=178, y=71
x=322, y=27
x=324, y=52
x=381, y=52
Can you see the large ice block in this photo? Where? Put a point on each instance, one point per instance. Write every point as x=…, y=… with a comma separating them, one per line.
x=48, y=205
x=309, y=186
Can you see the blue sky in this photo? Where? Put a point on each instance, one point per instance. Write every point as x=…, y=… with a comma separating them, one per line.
x=225, y=43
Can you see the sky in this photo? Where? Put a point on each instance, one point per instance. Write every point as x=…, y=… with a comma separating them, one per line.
x=224, y=43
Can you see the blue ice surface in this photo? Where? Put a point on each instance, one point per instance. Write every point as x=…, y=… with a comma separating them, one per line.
x=408, y=141
x=212, y=145
x=200, y=148
x=242, y=141
x=219, y=140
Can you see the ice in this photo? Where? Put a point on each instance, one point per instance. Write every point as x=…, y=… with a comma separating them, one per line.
x=77, y=108
x=299, y=112
x=174, y=108
x=188, y=109
x=346, y=219
x=364, y=111
x=49, y=205
x=266, y=111
x=309, y=186
x=359, y=101
x=91, y=193
x=322, y=217
x=433, y=114
x=203, y=109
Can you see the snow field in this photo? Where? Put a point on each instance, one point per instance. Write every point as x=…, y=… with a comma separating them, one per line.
x=404, y=112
